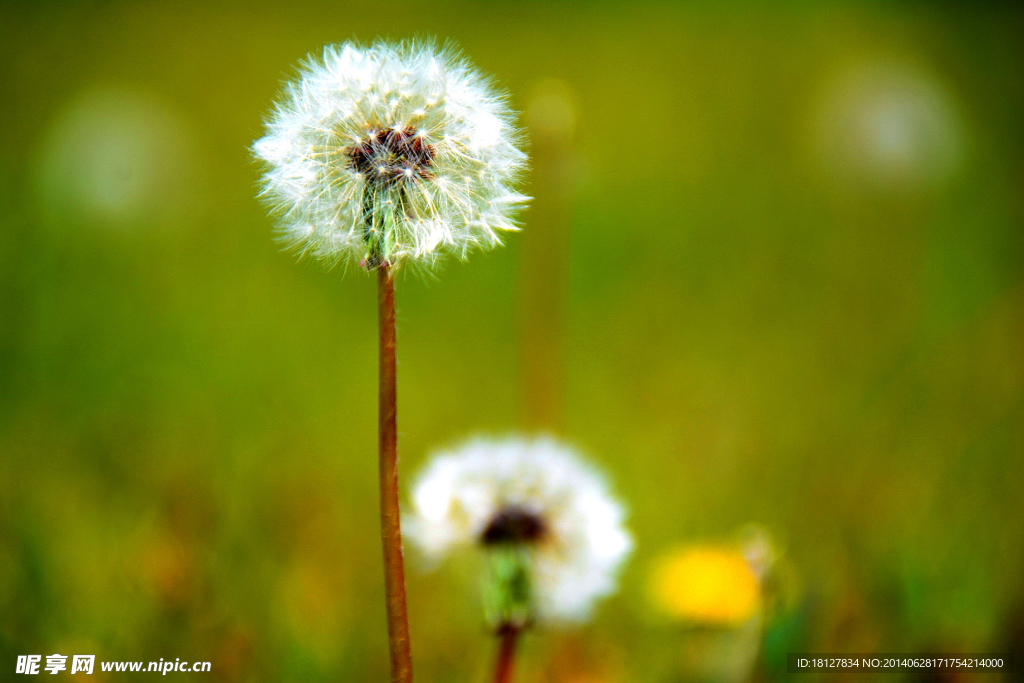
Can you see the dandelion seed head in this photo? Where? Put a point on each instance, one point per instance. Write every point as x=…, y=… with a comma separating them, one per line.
x=534, y=492
x=411, y=123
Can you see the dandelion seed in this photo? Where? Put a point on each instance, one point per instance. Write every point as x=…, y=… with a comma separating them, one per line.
x=373, y=137
x=533, y=507
x=363, y=159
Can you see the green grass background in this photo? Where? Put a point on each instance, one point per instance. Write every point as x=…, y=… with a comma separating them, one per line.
x=187, y=415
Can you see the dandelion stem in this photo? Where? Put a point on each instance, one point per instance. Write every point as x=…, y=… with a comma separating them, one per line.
x=509, y=635
x=391, y=526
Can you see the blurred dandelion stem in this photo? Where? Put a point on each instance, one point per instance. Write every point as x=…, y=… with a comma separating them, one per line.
x=391, y=525
x=509, y=635
x=508, y=600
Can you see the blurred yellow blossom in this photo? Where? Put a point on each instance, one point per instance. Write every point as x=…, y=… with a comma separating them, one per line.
x=705, y=584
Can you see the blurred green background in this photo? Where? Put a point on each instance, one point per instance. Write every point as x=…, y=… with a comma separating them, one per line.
x=772, y=275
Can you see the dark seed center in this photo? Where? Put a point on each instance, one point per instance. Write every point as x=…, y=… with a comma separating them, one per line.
x=514, y=525
x=391, y=156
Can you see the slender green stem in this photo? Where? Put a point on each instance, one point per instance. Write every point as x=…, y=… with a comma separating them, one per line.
x=391, y=526
x=503, y=667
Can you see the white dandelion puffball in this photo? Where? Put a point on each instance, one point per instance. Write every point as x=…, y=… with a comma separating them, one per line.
x=536, y=492
x=392, y=151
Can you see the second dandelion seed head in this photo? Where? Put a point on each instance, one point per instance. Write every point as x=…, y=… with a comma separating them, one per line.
x=552, y=532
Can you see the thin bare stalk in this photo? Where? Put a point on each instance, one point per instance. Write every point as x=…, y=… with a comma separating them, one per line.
x=544, y=259
x=391, y=525
x=509, y=635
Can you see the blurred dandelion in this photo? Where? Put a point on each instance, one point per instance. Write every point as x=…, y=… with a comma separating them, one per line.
x=384, y=154
x=552, y=533
x=118, y=157
x=891, y=126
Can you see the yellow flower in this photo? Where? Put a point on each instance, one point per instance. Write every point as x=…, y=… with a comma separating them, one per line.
x=705, y=584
